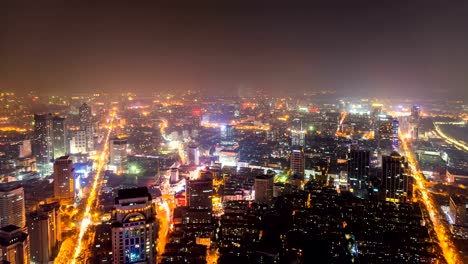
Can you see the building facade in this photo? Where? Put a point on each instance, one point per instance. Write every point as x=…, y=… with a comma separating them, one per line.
x=134, y=227
x=12, y=209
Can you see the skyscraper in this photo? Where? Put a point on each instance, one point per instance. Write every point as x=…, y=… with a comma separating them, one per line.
x=42, y=143
x=358, y=171
x=64, y=180
x=134, y=227
x=395, y=129
x=86, y=125
x=59, y=136
x=12, y=210
x=118, y=155
x=394, y=177
x=297, y=162
x=44, y=231
x=297, y=133
x=49, y=140
x=14, y=245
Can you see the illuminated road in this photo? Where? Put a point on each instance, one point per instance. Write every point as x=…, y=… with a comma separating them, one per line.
x=342, y=118
x=443, y=234
x=450, y=140
x=64, y=255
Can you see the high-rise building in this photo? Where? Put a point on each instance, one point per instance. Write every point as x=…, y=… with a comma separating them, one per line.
x=358, y=171
x=59, y=136
x=64, y=180
x=395, y=129
x=12, y=209
x=199, y=192
x=49, y=140
x=118, y=155
x=42, y=143
x=86, y=125
x=84, y=113
x=395, y=178
x=14, y=245
x=193, y=155
x=297, y=133
x=134, y=227
x=78, y=142
x=458, y=210
x=415, y=113
x=297, y=162
x=45, y=234
x=264, y=188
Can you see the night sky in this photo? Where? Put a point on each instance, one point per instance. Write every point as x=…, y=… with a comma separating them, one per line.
x=376, y=48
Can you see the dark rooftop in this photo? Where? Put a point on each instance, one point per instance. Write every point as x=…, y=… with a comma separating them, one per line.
x=133, y=193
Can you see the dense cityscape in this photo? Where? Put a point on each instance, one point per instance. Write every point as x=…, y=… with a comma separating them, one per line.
x=193, y=178
x=227, y=132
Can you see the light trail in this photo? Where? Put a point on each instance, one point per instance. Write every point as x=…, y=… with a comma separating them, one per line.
x=164, y=217
x=449, y=251
x=449, y=139
x=86, y=221
x=342, y=118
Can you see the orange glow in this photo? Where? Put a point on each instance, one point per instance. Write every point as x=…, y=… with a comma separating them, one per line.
x=443, y=235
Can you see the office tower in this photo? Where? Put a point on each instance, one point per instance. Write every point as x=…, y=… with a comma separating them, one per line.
x=297, y=162
x=86, y=125
x=415, y=113
x=12, y=210
x=193, y=155
x=134, y=227
x=395, y=129
x=14, y=245
x=84, y=113
x=227, y=132
x=297, y=133
x=59, y=136
x=394, y=177
x=42, y=143
x=44, y=231
x=78, y=142
x=358, y=171
x=264, y=188
x=199, y=192
x=118, y=155
x=64, y=180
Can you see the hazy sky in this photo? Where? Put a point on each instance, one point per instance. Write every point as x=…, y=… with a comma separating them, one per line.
x=376, y=47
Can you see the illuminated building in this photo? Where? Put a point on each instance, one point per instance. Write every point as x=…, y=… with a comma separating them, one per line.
x=458, y=210
x=42, y=146
x=14, y=245
x=134, y=227
x=227, y=132
x=12, y=210
x=193, y=155
x=118, y=155
x=64, y=180
x=86, y=125
x=78, y=142
x=394, y=177
x=199, y=192
x=297, y=133
x=263, y=187
x=25, y=149
x=395, y=128
x=415, y=113
x=358, y=171
x=44, y=231
x=229, y=157
x=59, y=136
x=49, y=140
x=174, y=178
x=297, y=162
